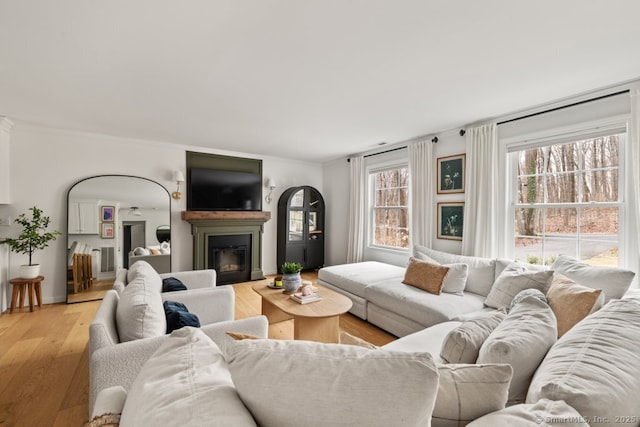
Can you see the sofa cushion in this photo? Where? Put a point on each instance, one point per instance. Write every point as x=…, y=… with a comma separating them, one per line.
x=467, y=392
x=426, y=276
x=354, y=278
x=542, y=413
x=140, y=313
x=419, y=306
x=481, y=274
x=522, y=339
x=317, y=384
x=512, y=280
x=612, y=280
x=428, y=340
x=171, y=284
x=186, y=382
x=456, y=278
x=594, y=366
x=572, y=302
x=462, y=345
x=178, y=316
x=144, y=269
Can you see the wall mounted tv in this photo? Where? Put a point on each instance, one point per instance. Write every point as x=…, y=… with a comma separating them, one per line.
x=222, y=190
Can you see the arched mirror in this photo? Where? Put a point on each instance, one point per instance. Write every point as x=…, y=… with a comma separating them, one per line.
x=113, y=221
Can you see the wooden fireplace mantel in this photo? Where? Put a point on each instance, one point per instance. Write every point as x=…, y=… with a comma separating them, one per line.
x=226, y=215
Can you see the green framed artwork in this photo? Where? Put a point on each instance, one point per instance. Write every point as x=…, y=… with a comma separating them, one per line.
x=450, y=220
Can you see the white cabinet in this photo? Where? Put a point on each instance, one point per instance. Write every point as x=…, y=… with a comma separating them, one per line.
x=5, y=173
x=83, y=218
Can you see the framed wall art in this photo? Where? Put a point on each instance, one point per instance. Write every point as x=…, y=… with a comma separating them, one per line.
x=451, y=174
x=107, y=230
x=450, y=220
x=107, y=213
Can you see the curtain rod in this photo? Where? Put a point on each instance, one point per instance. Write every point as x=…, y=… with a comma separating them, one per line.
x=564, y=106
x=381, y=152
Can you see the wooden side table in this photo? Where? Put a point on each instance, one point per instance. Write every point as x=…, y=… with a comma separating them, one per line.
x=21, y=285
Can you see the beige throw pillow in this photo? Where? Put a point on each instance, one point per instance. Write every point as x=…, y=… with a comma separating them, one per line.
x=303, y=383
x=462, y=344
x=572, y=302
x=467, y=392
x=426, y=276
x=456, y=278
x=522, y=339
x=512, y=280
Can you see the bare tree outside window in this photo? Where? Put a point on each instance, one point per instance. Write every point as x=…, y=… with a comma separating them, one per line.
x=390, y=208
x=568, y=201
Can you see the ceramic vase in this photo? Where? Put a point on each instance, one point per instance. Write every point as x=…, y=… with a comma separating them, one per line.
x=291, y=282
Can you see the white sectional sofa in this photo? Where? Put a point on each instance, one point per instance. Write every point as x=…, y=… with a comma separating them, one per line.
x=380, y=297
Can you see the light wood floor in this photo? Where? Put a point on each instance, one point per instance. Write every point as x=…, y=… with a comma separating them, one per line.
x=44, y=360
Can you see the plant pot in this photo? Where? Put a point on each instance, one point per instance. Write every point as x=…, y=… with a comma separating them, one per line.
x=29, y=271
x=291, y=282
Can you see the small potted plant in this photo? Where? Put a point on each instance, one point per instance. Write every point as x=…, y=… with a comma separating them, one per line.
x=291, y=276
x=34, y=236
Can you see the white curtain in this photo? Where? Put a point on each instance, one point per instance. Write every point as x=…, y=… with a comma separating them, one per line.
x=421, y=193
x=358, y=191
x=480, y=228
x=634, y=185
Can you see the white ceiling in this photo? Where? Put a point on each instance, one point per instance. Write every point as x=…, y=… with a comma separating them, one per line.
x=305, y=79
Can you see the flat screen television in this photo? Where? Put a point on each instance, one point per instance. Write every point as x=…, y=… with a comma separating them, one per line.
x=221, y=190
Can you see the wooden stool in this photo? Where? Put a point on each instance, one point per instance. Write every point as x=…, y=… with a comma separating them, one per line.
x=21, y=285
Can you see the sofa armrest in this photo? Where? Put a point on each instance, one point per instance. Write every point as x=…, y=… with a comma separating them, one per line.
x=118, y=365
x=103, y=331
x=210, y=305
x=109, y=401
x=194, y=279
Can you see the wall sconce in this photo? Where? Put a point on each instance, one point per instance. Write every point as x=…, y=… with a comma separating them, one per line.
x=271, y=185
x=178, y=177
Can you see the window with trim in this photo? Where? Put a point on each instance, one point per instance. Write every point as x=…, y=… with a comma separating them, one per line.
x=568, y=199
x=390, y=211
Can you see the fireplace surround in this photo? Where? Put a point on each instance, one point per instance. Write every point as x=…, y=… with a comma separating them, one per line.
x=234, y=229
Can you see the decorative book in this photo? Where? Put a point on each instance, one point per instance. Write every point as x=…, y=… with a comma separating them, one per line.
x=305, y=299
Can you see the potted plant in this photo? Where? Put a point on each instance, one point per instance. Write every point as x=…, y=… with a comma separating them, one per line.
x=291, y=276
x=34, y=237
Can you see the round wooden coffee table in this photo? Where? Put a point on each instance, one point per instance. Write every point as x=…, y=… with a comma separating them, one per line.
x=316, y=321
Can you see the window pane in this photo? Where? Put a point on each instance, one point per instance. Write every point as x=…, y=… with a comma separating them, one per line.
x=528, y=221
x=562, y=188
x=562, y=222
x=295, y=225
x=530, y=189
x=297, y=199
x=528, y=250
x=607, y=253
x=531, y=162
x=600, y=152
x=390, y=212
x=600, y=186
x=599, y=222
x=563, y=157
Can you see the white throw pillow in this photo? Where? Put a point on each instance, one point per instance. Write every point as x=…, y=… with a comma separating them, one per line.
x=522, y=339
x=481, y=271
x=463, y=343
x=304, y=383
x=612, y=280
x=512, y=280
x=456, y=278
x=186, y=382
x=543, y=413
x=144, y=269
x=595, y=366
x=140, y=313
x=467, y=392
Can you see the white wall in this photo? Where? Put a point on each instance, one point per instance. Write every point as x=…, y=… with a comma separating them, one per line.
x=45, y=163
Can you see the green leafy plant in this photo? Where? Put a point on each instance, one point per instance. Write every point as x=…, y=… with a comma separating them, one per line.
x=34, y=234
x=291, y=268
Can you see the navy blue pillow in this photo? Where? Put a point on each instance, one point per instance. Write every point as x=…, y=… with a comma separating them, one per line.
x=178, y=316
x=171, y=284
